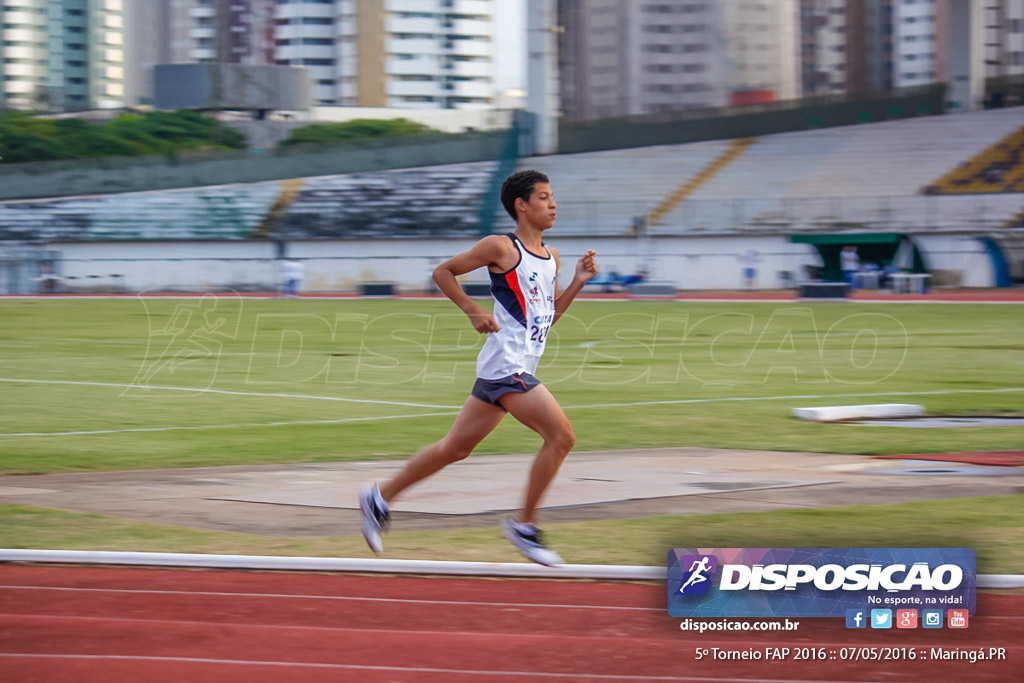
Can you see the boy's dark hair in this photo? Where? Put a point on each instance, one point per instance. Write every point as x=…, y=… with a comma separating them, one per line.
x=519, y=185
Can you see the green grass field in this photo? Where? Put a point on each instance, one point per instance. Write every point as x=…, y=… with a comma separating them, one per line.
x=223, y=381
x=91, y=385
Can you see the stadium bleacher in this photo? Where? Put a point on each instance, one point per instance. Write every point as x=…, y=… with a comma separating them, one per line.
x=607, y=192
x=866, y=176
x=998, y=168
x=876, y=176
x=224, y=212
x=442, y=200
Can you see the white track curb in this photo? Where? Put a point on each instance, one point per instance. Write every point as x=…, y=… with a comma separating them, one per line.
x=376, y=566
x=336, y=564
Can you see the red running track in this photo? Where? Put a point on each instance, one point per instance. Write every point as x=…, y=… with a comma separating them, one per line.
x=86, y=625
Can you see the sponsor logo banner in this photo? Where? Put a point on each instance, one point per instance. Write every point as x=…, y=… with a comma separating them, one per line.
x=818, y=582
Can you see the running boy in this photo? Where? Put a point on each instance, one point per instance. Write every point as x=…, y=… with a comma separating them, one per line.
x=524, y=284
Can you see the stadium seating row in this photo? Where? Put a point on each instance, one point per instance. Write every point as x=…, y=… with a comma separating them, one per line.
x=998, y=168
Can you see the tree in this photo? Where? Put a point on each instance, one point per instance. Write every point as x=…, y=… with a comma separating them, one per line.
x=24, y=137
x=356, y=129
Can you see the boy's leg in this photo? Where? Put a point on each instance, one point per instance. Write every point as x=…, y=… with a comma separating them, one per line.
x=538, y=410
x=474, y=422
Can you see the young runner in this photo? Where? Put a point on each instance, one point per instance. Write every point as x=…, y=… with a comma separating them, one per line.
x=524, y=284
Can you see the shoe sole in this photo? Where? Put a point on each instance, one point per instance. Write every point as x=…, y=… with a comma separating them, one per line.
x=552, y=558
x=371, y=530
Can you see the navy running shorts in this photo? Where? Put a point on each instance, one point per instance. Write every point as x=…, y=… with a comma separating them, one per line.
x=490, y=390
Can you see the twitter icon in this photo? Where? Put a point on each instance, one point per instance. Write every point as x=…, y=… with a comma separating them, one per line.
x=881, y=618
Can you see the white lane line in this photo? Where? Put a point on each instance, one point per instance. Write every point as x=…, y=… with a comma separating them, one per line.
x=356, y=598
x=409, y=669
x=798, y=397
x=314, y=397
x=403, y=632
x=686, y=401
x=373, y=418
x=288, y=596
x=226, y=392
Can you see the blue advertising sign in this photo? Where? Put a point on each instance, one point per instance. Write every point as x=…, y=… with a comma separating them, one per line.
x=818, y=582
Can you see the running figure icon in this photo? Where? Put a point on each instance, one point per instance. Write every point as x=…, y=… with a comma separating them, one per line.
x=697, y=573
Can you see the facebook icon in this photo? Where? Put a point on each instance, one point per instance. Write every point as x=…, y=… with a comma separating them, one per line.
x=856, y=618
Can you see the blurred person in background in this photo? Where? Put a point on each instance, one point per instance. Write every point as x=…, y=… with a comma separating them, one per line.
x=850, y=263
x=293, y=272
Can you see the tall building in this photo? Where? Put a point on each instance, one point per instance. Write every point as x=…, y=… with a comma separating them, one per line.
x=228, y=31
x=415, y=54
x=914, y=36
x=620, y=59
x=761, y=49
x=309, y=34
x=824, y=57
x=1004, y=38
x=391, y=53
x=62, y=55
x=147, y=31
x=377, y=53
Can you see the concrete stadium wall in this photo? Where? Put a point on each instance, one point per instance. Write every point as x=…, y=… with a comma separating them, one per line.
x=137, y=174
x=684, y=263
x=739, y=122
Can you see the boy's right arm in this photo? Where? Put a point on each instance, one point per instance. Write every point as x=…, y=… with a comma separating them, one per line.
x=490, y=250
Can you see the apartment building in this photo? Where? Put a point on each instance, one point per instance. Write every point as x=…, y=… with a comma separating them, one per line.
x=375, y=53
x=824, y=53
x=416, y=53
x=620, y=59
x=62, y=55
x=1004, y=38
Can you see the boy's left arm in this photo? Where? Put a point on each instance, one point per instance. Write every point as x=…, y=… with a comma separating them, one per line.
x=586, y=268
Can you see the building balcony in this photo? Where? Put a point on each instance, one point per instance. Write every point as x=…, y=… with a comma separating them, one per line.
x=413, y=89
x=300, y=32
x=483, y=89
x=300, y=10
x=412, y=46
x=422, y=6
x=20, y=18
x=25, y=70
x=22, y=35
x=396, y=24
x=470, y=48
x=476, y=69
x=20, y=52
x=470, y=27
x=19, y=87
x=474, y=7
x=413, y=67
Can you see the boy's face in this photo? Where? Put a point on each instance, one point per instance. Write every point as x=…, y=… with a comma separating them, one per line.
x=539, y=211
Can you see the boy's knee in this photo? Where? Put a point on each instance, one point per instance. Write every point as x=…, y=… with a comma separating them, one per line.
x=460, y=454
x=564, y=440
x=455, y=452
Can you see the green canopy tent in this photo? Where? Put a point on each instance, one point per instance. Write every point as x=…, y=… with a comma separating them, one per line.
x=881, y=248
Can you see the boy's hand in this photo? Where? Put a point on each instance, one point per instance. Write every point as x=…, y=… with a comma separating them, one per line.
x=483, y=321
x=586, y=267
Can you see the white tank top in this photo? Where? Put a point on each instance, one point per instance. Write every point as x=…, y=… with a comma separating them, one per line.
x=524, y=308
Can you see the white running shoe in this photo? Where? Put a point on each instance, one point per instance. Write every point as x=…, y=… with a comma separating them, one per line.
x=528, y=541
x=375, y=518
